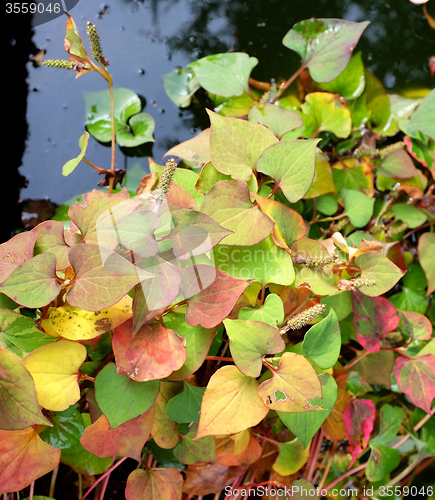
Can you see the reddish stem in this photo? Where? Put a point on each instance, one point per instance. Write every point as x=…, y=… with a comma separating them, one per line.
x=288, y=82
x=219, y=358
x=101, y=478
x=315, y=456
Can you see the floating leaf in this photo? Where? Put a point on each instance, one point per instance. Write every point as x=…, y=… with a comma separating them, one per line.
x=162, y=484
x=330, y=114
x=70, y=165
x=230, y=403
x=374, y=318
x=224, y=74
x=229, y=204
x=211, y=305
x=33, y=283
x=50, y=238
x=55, y=370
x=289, y=225
x=192, y=450
x=250, y=341
x=426, y=245
x=235, y=145
x=77, y=324
x=18, y=402
x=154, y=352
x=292, y=457
x=351, y=82
x=271, y=312
x=291, y=166
x=275, y=118
x=127, y=440
x=102, y=277
x=122, y=399
x=184, y=407
x=141, y=128
x=180, y=85
x=358, y=207
x=416, y=378
x=382, y=461
x=422, y=118
x=322, y=342
x=24, y=457
x=325, y=45
x=196, y=149
x=305, y=425
x=375, y=266
x=264, y=262
x=293, y=383
x=359, y=419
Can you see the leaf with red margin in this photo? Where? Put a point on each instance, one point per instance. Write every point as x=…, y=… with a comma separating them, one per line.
x=375, y=266
x=194, y=233
x=102, y=277
x=98, y=212
x=416, y=378
x=179, y=197
x=374, y=318
x=415, y=325
x=229, y=204
x=358, y=419
x=162, y=484
x=24, y=457
x=33, y=284
x=211, y=305
x=14, y=252
x=289, y=225
x=19, y=406
x=126, y=440
x=195, y=149
x=153, y=353
x=426, y=253
x=50, y=238
x=294, y=382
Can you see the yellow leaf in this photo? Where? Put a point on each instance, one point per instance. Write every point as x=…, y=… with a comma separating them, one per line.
x=241, y=441
x=48, y=329
x=292, y=457
x=76, y=324
x=230, y=404
x=55, y=370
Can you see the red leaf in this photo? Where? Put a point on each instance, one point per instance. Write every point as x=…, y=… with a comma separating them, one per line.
x=358, y=419
x=24, y=457
x=374, y=318
x=126, y=440
x=153, y=353
x=416, y=378
x=211, y=305
x=17, y=250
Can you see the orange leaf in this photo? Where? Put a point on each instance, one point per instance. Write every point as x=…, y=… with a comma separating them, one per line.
x=163, y=484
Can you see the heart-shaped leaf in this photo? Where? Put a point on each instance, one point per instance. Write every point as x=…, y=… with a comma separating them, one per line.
x=50, y=238
x=375, y=266
x=180, y=85
x=141, y=128
x=422, y=118
x=16, y=251
x=358, y=207
x=426, y=244
x=275, y=118
x=359, y=419
x=292, y=457
x=193, y=150
x=272, y=311
x=192, y=450
x=184, y=407
x=162, y=484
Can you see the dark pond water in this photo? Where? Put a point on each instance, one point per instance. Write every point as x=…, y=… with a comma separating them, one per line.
x=145, y=39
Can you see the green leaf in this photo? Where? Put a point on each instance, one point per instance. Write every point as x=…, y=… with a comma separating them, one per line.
x=50, y=238
x=330, y=114
x=305, y=425
x=33, y=284
x=224, y=74
x=184, y=407
x=426, y=244
x=291, y=165
x=358, y=207
x=375, y=266
x=19, y=406
x=22, y=337
x=264, y=262
x=398, y=165
x=410, y=300
x=391, y=418
x=235, y=145
x=68, y=428
x=229, y=204
x=322, y=342
x=382, y=461
x=235, y=106
x=141, y=126
x=341, y=303
x=208, y=177
x=326, y=204
x=325, y=45
x=69, y=166
x=350, y=83
x=180, y=85
x=120, y=398
x=275, y=118
x=250, y=341
x=407, y=213
x=193, y=451
x=292, y=457
x=422, y=118
x=272, y=312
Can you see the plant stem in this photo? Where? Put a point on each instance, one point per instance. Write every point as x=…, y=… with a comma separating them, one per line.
x=430, y=223
x=352, y=363
x=53, y=482
x=328, y=465
x=406, y=471
x=80, y=486
x=105, y=483
x=315, y=456
x=101, y=478
x=32, y=487
x=219, y=358
x=288, y=82
x=98, y=169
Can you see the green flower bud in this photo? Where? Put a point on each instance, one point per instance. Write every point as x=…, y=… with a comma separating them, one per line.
x=303, y=318
x=96, y=51
x=58, y=63
x=359, y=282
x=393, y=231
x=313, y=262
x=341, y=224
